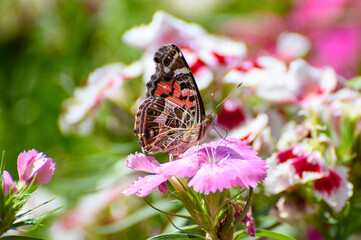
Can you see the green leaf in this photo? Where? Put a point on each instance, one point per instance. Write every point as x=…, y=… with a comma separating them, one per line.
x=19, y=238
x=176, y=236
x=263, y=233
x=354, y=83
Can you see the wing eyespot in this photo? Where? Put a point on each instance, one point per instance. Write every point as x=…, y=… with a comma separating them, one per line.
x=149, y=133
x=166, y=61
x=156, y=59
x=151, y=112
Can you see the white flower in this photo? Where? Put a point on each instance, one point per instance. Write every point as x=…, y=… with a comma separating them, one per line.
x=208, y=56
x=299, y=83
x=292, y=45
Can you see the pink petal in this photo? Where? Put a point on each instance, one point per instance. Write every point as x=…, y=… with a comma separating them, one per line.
x=7, y=182
x=232, y=172
x=24, y=160
x=163, y=187
x=185, y=166
x=210, y=178
x=251, y=228
x=248, y=173
x=33, y=163
x=44, y=173
x=145, y=185
x=141, y=162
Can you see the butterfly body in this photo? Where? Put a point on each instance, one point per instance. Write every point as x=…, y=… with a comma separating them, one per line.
x=172, y=117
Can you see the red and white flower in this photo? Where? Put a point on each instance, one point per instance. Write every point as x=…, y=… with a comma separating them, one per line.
x=299, y=83
x=302, y=164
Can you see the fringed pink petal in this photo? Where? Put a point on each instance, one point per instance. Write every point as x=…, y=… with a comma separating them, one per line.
x=145, y=185
x=141, y=162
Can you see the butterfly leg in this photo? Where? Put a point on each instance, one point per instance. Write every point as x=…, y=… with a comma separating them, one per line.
x=170, y=157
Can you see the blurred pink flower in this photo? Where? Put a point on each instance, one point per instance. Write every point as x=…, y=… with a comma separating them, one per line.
x=104, y=83
x=34, y=164
x=326, y=32
x=340, y=42
x=317, y=13
x=7, y=182
x=217, y=166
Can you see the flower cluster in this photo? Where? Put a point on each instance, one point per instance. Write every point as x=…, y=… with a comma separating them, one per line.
x=212, y=169
x=294, y=107
x=34, y=168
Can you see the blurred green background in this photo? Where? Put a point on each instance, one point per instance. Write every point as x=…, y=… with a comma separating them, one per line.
x=49, y=47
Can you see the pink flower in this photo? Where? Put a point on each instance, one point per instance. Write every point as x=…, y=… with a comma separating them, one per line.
x=218, y=165
x=33, y=163
x=248, y=220
x=315, y=29
x=145, y=185
x=7, y=182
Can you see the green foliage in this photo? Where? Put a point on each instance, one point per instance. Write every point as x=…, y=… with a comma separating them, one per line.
x=263, y=233
x=176, y=236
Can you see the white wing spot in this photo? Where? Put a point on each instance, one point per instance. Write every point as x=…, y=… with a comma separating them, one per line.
x=184, y=70
x=166, y=69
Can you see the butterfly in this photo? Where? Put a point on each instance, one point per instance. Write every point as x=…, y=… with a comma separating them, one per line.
x=172, y=117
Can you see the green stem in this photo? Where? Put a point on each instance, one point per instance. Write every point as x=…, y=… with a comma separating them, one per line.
x=246, y=208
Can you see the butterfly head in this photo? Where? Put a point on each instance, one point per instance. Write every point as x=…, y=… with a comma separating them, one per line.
x=206, y=125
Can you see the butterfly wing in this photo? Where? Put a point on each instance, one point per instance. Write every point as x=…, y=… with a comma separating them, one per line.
x=174, y=81
x=169, y=119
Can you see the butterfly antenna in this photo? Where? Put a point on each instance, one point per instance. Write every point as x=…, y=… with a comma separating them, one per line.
x=210, y=105
x=226, y=98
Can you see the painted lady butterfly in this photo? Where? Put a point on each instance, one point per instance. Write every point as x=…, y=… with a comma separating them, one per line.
x=172, y=117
